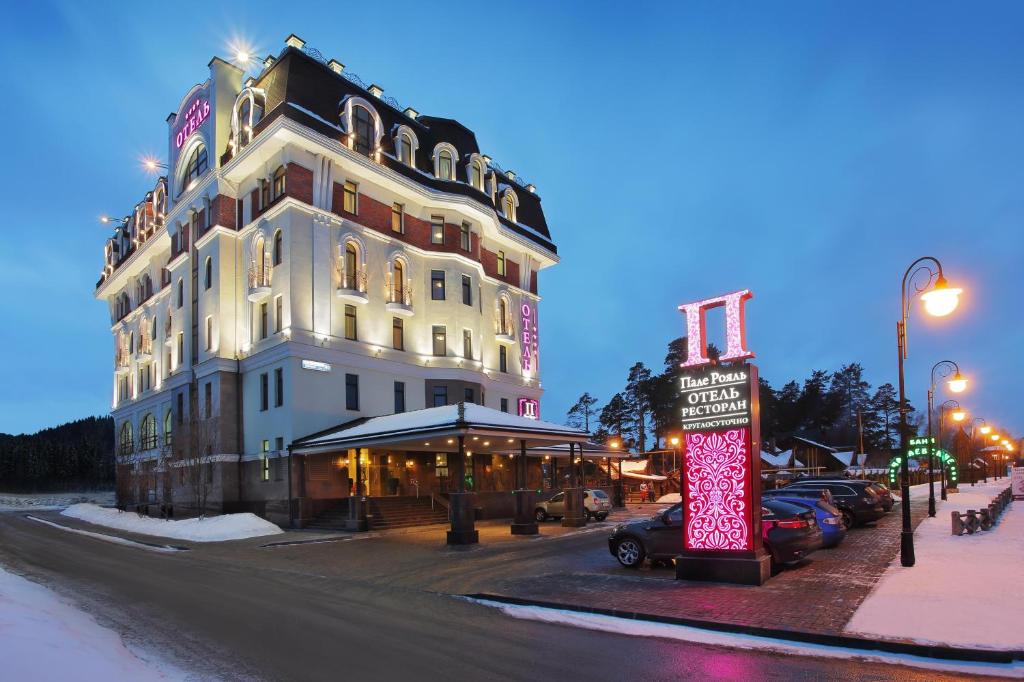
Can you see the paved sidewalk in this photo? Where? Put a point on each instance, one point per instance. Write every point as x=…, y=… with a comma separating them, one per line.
x=821, y=595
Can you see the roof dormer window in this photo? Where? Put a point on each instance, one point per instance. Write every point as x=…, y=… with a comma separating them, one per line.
x=509, y=204
x=444, y=161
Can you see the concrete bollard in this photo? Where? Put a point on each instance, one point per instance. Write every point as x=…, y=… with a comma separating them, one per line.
x=958, y=523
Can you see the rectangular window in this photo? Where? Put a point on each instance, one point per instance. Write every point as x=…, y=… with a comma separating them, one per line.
x=468, y=394
x=208, y=398
x=263, y=392
x=351, y=198
x=397, y=218
x=440, y=396
x=467, y=290
x=279, y=443
x=397, y=333
x=504, y=404
x=350, y=322
x=436, y=229
x=181, y=408
x=399, y=396
x=467, y=344
x=464, y=240
x=437, y=285
x=278, y=387
x=502, y=359
x=440, y=335
x=181, y=348
x=265, y=461
x=278, y=313
x=501, y=264
x=351, y=391
x=264, y=194
x=209, y=332
x=263, y=320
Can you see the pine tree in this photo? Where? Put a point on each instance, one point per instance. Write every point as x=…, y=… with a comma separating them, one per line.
x=579, y=415
x=616, y=419
x=638, y=401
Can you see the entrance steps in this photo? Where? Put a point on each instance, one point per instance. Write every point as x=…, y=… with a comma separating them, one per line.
x=386, y=512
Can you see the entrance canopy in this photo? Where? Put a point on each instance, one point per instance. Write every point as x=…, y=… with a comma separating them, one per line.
x=437, y=429
x=589, y=450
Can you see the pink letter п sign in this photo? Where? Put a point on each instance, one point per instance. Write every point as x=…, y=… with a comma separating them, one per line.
x=721, y=472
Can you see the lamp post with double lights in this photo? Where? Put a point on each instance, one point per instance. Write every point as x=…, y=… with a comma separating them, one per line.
x=958, y=416
x=985, y=431
x=957, y=384
x=939, y=300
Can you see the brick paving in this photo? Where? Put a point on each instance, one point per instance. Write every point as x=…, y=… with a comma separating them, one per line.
x=819, y=595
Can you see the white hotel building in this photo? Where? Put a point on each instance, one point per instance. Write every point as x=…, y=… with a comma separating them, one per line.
x=315, y=255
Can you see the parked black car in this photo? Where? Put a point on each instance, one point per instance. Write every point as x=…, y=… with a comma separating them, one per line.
x=880, y=489
x=789, y=533
x=857, y=500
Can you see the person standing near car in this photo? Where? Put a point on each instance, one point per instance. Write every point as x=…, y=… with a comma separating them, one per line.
x=643, y=491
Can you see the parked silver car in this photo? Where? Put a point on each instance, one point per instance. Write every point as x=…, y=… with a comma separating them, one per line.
x=595, y=502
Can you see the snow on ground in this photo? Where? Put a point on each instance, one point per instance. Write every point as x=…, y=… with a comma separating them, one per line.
x=963, y=591
x=209, y=529
x=684, y=633
x=45, y=638
x=44, y=501
x=670, y=498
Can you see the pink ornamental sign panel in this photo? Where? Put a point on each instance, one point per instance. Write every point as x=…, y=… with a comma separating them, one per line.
x=718, y=492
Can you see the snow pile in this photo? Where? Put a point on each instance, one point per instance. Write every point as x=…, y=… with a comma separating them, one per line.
x=670, y=498
x=44, y=638
x=962, y=590
x=43, y=501
x=210, y=529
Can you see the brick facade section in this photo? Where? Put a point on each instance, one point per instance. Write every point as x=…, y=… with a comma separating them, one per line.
x=299, y=183
x=222, y=212
x=376, y=215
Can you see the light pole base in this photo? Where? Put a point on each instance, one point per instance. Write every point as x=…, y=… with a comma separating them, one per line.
x=907, y=548
x=931, y=506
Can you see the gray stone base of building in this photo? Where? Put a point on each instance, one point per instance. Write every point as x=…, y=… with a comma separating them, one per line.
x=746, y=570
x=357, y=520
x=462, y=510
x=525, y=528
x=523, y=522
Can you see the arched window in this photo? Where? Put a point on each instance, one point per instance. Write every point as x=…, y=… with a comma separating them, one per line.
x=168, y=427
x=147, y=286
x=209, y=332
x=445, y=165
x=278, y=247
x=131, y=342
x=196, y=166
x=152, y=328
x=181, y=292
x=351, y=266
x=244, y=129
x=509, y=205
x=363, y=129
x=208, y=273
x=398, y=282
x=504, y=326
x=147, y=434
x=405, y=149
x=477, y=174
x=279, y=178
x=126, y=443
x=260, y=256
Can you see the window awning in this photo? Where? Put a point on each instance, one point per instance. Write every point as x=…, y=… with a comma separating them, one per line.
x=436, y=429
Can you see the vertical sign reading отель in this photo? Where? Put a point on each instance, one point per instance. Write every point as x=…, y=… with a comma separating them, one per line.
x=721, y=474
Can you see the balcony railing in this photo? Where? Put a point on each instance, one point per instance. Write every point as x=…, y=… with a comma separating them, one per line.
x=145, y=350
x=503, y=330
x=352, y=285
x=259, y=279
x=122, y=359
x=399, y=299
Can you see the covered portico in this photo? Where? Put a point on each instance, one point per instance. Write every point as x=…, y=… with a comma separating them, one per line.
x=448, y=438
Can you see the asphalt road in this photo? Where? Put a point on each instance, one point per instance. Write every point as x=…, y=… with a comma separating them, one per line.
x=377, y=609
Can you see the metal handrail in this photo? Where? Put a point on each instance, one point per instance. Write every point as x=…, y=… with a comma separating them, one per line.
x=353, y=281
x=400, y=294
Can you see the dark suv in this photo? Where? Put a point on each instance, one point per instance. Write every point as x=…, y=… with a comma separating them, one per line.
x=858, y=501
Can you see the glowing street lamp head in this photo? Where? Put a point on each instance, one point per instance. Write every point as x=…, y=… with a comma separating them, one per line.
x=942, y=299
x=104, y=219
x=959, y=415
x=985, y=429
x=958, y=383
x=615, y=444
x=674, y=440
x=995, y=436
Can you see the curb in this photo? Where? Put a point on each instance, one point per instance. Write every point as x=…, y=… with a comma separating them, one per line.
x=936, y=651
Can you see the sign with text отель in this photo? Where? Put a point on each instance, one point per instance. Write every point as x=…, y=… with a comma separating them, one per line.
x=721, y=474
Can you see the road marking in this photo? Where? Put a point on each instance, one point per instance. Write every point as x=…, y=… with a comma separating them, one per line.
x=686, y=633
x=112, y=538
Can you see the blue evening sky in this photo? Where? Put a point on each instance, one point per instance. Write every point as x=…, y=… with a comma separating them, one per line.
x=808, y=151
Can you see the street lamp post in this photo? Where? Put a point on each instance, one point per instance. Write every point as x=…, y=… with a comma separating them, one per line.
x=957, y=384
x=942, y=463
x=973, y=454
x=939, y=300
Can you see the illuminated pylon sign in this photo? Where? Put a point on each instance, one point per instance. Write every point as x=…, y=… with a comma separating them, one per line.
x=735, y=328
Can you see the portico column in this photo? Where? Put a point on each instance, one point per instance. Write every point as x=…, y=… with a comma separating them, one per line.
x=357, y=520
x=575, y=515
x=460, y=504
x=524, y=522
